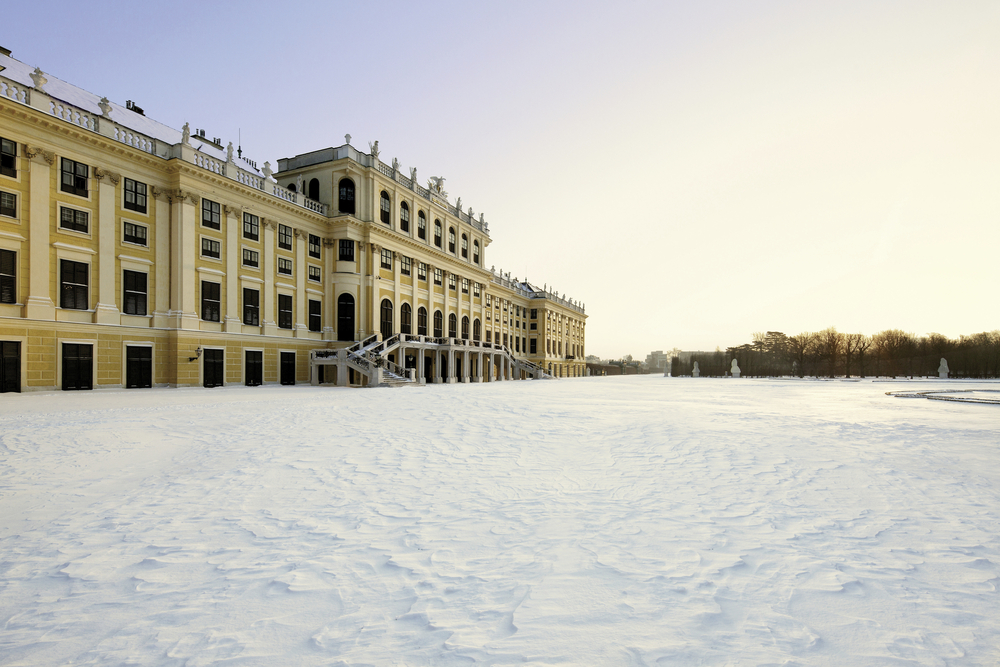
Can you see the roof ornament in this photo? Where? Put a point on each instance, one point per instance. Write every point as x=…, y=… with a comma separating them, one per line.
x=347, y=138
x=413, y=175
x=373, y=148
x=229, y=153
x=105, y=106
x=38, y=77
x=436, y=183
x=186, y=134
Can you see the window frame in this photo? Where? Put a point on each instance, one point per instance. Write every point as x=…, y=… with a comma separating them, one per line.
x=421, y=225
x=251, y=226
x=211, y=301
x=465, y=285
x=465, y=247
x=386, y=260
x=452, y=282
x=346, y=191
x=422, y=271
x=438, y=231
x=404, y=217
x=75, y=222
x=78, y=173
x=8, y=211
x=285, y=266
x=385, y=208
x=126, y=236
x=76, y=290
x=438, y=276
x=451, y=240
x=315, y=318
x=211, y=214
x=315, y=273
x=8, y=281
x=214, y=246
x=140, y=201
x=138, y=294
x=8, y=158
x=317, y=243
x=477, y=289
x=405, y=264
x=421, y=321
x=248, y=254
x=251, y=311
x=348, y=245
x=285, y=318
x=284, y=237
x=475, y=251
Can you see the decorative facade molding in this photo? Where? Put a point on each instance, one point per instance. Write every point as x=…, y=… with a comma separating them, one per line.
x=33, y=151
x=100, y=174
x=180, y=196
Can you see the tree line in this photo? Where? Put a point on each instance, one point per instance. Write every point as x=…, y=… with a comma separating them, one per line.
x=830, y=353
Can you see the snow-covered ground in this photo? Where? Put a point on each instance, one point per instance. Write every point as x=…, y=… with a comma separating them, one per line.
x=613, y=521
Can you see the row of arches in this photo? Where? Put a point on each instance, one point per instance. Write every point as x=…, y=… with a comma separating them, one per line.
x=311, y=190
x=463, y=328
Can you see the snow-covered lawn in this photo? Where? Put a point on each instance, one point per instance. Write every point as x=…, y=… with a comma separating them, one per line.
x=612, y=521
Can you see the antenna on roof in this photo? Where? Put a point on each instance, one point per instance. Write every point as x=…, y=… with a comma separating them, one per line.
x=239, y=142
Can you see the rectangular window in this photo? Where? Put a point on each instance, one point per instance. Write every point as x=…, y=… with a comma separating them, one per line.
x=315, y=315
x=534, y=326
x=210, y=301
x=74, y=177
x=8, y=204
x=251, y=227
x=346, y=250
x=211, y=214
x=284, y=311
x=534, y=313
x=452, y=281
x=135, y=196
x=438, y=276
x=251, y=258
x=251, y=307
x=489, y=300
x=8, y=276
x=465, y=285
x=284, y=237
x=534, y=346
x=489, y=336
x=74, y=282
x=284, y=266
x=315, y=273
x=71, y=218
x=134, y=293
x=386, y=258
x=475, y=289
x=517, y=344
x=315, y=245
x=211, y=248
x=404, y=265
x=8, y=158
x=422, y=226
x=134, y=233
x=421, y=271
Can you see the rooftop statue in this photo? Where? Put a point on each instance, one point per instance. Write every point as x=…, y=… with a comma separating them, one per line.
x=374, y=148
x=186, y=134
x=105, y=106
x=38, y=77
x=229, y=152
x=413, y=175
x=347, y=139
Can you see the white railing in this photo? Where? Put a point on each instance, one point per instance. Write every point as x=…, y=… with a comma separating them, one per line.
x=135, y=140
x=73, y=115
x=284, y=193
x=246, y=178
x=15, y=91
x=211, y=164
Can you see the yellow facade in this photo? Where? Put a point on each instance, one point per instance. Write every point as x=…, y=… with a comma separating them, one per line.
x=169, y=261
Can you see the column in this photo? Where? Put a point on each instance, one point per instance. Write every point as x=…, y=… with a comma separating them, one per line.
x=39, y=304
x=329, y=297
x=269, y=324
x=106, y=311
x=419, y=354
x=183, y=312
x=466, y=374
x=161, y=238
x=376, y=261
x=301, y=328
x=361, y=304
x=234, y=256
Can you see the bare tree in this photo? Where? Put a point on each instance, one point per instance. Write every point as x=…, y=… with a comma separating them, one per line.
x=830, y=343
x=800, y=347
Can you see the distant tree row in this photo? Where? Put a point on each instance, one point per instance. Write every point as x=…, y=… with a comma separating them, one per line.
x=829, y=353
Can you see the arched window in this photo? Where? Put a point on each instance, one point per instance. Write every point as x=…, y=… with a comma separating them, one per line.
x=345, y=317
x=451, y=240
x=404, y=217
x=314, y=189
x=477, y=330
x=475, y=252
x=386, y=204
x=292, y=188
x=437, y=233
x=438, y=324
x=421, y=321
x=421, y=225
x=386, y=320
x=452, y=326
x=346, y=202
x=465, y=246
x=465, y=327
x=405, y=315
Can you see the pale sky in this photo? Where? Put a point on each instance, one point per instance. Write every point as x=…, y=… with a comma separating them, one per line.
x=692, y=171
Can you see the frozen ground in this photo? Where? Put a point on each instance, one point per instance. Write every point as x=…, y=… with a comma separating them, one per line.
x=616, y=521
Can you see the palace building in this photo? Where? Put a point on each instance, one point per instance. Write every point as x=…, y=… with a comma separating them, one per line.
x=133, y=254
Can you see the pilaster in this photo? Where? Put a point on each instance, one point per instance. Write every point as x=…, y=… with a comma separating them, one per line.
x=39, y=305
x=269, y=324
x=106, y=311
x=300, y=283
x=233, y=322
x=183, y=284
x=161, y=237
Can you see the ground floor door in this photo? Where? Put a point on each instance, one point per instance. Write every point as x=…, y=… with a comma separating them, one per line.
x=428, y=368
x=444, y=366
x=214, y=368
x=77, y=366
x=287, y=368
x=138, y=367
x=254, y=368
x=10, y=366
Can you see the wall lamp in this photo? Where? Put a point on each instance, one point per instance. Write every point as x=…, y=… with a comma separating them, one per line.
x=197, y=353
